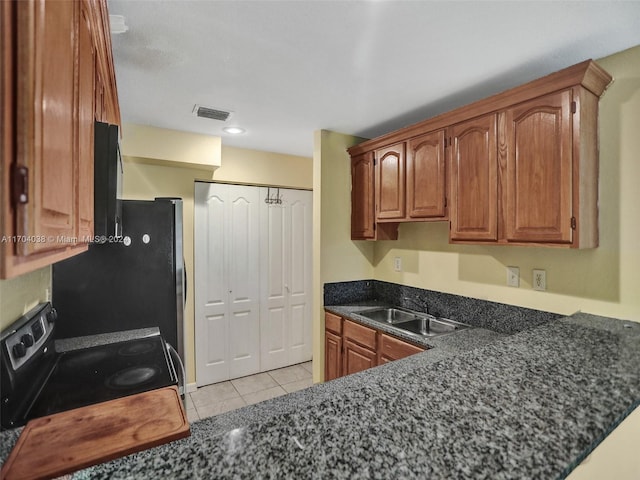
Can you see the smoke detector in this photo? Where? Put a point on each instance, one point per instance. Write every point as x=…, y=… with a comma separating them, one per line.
x=211, y=113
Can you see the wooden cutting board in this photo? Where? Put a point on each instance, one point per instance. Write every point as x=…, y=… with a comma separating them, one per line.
x=65, y=442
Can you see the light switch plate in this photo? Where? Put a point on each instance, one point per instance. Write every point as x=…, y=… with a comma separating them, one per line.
x=513, y=276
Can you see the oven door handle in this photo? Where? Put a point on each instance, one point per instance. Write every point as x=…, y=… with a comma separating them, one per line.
x=182, y=375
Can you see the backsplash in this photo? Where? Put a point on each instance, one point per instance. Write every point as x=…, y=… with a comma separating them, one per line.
x=340, y=293
x=498, y=317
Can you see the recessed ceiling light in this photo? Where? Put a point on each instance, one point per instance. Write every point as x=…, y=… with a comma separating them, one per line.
x=233, y=130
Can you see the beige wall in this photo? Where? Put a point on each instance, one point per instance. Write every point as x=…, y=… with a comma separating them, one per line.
x=336, y=258
x=145, y=178
x=604, y=280
x=255, y=167
x=19, y=295
x=175, y=148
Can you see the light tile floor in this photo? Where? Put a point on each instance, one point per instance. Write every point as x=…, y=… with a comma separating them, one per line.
x=226, y=396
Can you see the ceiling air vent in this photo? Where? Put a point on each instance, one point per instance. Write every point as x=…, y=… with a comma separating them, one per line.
x=212, y=113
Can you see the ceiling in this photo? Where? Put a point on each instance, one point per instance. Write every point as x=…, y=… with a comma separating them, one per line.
x=288, y=68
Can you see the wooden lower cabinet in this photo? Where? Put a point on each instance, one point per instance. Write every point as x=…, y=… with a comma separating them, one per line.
x=332, y=346
x=350, y=347
x=332, y=356
x=390, y=348
x=357, y=358
x=359, y=348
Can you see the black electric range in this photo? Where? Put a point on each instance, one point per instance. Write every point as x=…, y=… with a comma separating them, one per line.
x=37, y=380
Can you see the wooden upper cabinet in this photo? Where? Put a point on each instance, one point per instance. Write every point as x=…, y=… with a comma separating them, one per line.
x=409, y=179
x=86, y=118
x=521, y=166
x=539, y=170
x=362, y=196
x=50, y=54
x=426, y=176
x=390, y=182
x=45, y=123
x=474, y=179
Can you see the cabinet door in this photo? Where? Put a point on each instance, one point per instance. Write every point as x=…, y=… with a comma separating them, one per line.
x=426, y=176
x=474, y=180
x=357, y=358
x=285, y=279
x=390, y=182
x=539, y=170
x=227, y=287
x=391, y=348
x=86, y=96
x=45, y=123
x=332, y=356
x=362, y=197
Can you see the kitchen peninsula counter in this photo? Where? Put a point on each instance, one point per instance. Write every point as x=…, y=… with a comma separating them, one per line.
x=528, y=405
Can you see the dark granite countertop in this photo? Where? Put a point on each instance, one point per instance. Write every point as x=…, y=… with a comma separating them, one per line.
x=528, y=405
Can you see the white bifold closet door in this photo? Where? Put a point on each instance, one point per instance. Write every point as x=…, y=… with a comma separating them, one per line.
x=227, y=289
x=285, y=286
x=252, y=280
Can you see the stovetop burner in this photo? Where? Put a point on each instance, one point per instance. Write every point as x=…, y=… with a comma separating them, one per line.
x=101, y=373
x=137, y=348
x=131, y=377
x=82, y=359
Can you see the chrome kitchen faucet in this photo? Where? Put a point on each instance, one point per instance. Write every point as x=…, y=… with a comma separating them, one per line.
x=422, y=306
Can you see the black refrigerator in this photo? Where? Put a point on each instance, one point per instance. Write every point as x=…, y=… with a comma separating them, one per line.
x=135, y=281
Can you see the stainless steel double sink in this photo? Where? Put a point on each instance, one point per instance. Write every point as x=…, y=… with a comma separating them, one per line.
x=422, y=324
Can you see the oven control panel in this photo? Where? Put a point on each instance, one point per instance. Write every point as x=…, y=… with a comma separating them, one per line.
x=28, y=334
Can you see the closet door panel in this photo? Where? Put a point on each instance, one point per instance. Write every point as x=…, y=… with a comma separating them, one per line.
x=273, y=296
x=227, y=286
x=300, y=276
x=243, y=257
x=211, y=292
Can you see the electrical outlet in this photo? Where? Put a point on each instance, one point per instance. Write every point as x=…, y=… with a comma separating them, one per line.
x=513, y=276
x=539, y=280
x=397, y=264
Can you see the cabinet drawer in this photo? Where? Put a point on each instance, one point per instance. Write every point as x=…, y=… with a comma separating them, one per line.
x=394, y=349
x=357, y=333
x=333, y=323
